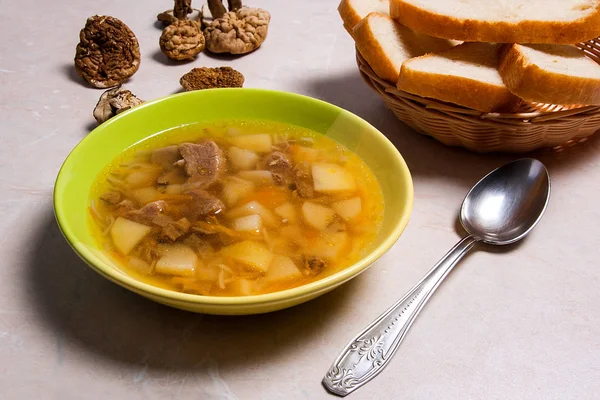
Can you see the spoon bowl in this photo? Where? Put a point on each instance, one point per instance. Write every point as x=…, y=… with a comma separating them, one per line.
x=507, y=203
x=501, y=208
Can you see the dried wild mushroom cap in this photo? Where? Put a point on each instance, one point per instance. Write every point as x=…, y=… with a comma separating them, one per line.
x=208, y=78
x=238, y=32
x=182, y=40
x=114, y=101
x=108, y=53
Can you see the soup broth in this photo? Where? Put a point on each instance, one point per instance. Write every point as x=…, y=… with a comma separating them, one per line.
x=235, y=209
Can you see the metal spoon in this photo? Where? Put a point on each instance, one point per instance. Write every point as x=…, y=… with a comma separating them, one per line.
x=500, y=209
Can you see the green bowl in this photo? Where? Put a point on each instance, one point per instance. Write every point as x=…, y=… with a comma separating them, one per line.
x=100, y=147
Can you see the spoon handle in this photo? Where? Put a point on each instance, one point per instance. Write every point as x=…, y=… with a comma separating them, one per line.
x=369, y=353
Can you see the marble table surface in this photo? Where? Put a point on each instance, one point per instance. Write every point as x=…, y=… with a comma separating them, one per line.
x=520, y=323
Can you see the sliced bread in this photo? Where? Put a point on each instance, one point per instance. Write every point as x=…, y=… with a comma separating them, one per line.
x=466, y=75
x=506, y=21
x=353, y=11
x=554, y=74
x=385, y=44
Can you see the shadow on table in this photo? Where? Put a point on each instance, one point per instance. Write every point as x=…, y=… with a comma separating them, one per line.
x=82, y=307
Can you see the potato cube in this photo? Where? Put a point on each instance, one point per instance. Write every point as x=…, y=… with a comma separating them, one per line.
x=317, y=215
x=260, y=177
x=261, y=143
x=302, y=154
x=242, y=158
x=332, y=178
x=282, y=268
x=235, y=189
x=288, y=212
x=141, y=178
x=248, y=223
x=242, y=287
x=126, y=234
x=145, y=195
x=330, y=245
x=250, y=253
x=177, y=259
x=253, y=207
x=348, y=209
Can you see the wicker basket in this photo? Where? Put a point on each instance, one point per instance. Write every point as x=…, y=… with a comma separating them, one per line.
x=534, y=126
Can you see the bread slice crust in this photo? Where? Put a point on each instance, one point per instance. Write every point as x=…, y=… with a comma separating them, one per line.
x=386, y=54
x=472, y=30
x=349, y=15
x=533, y=82
x=467, y=92
x=370, y=48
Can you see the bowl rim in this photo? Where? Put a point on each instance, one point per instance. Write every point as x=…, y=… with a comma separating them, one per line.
x=328, y=282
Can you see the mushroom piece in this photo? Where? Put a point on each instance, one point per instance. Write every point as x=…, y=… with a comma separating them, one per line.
x=182, y=8
x=217, y=9
x=108, y=53
x=234, y=5
x=167, y=17
x=114, y=101
x=238, y=32
x=207, y=78
x=182, y=40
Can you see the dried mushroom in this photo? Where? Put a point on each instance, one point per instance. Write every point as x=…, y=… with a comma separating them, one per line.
x=205, y=17
x=182, y=40
x=108, y=53
x=167, y=17
x=217, y=9
x=234, y=5
x=238, y=32
x=114, y=101
x=207, y=78
x=182, y=8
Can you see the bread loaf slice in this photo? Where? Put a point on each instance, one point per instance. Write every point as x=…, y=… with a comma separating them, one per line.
x=506, y=21
x=385, y=44
x=554, y=74
x=466, y=75
x=353, y=11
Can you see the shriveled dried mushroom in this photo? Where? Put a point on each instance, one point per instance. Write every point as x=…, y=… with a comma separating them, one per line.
x=182, y=40
x=114, y=101
x=108, y=52
x=166, y=17
x=182, y=8
x=238, y=32
x=208, y=78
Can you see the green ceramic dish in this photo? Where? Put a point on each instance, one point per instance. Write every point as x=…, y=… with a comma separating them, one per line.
x=107, y=141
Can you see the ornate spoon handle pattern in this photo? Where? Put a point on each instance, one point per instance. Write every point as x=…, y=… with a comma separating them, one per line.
x=368, y=353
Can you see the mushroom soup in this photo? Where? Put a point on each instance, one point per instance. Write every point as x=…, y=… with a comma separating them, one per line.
x=235, y=209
